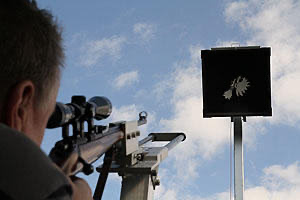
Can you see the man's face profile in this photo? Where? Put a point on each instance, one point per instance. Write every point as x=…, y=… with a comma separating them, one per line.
x=42, y=114
x=25, y=114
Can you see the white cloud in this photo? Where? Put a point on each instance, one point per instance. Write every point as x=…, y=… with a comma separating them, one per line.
x=204, y=140
x=275, y=23
x=170, y=194
x=195, y=53
x=141, y=93
x=277, y=176
x=126, y=79
x=235, y=11
x=131, y=112
x=95, y=50
x=277, y=182
x=266, y=23
x=127, y=113
x=145, y=31
x=185, y=80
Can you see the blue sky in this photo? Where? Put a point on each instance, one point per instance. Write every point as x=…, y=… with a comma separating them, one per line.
x=146, y=55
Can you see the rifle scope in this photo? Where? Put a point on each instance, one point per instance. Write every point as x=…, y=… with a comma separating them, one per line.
x=97, y=107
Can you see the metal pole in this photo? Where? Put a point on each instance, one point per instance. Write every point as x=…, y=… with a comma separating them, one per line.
x=145, y=140
x=174, y=142
x=238, y=160
x=137, y=187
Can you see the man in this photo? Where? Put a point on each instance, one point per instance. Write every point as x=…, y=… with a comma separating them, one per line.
x=31, y=57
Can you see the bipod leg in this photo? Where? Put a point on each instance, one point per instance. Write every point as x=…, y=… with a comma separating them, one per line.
x=103, y=175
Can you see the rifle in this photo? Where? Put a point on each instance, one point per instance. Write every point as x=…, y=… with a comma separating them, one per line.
x=124, y=154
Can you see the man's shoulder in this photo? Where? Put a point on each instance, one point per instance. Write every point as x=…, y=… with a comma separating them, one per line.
x=25, y=171
x=4, y=196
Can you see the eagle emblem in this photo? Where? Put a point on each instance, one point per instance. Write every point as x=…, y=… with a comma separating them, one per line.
x=240, y=85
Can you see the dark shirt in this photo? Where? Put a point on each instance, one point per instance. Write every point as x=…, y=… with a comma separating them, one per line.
x=26, y=173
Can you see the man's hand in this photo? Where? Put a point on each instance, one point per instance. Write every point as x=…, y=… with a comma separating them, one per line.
x=81, y=189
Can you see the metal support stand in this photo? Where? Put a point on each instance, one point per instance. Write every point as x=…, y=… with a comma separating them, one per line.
x=137, y=186
x=238, y=159
x=140, y=176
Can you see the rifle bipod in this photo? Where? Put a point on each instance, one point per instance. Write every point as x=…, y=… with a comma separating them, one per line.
x=103, y=175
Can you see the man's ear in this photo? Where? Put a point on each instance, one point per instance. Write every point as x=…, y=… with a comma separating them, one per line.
x=19, y=104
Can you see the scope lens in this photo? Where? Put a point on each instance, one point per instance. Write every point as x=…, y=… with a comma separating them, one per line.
x=103, y=107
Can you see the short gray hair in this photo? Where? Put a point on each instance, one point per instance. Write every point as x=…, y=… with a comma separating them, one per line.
x=30, y=47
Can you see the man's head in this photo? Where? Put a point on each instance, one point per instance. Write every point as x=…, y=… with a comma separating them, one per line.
x=30, y=59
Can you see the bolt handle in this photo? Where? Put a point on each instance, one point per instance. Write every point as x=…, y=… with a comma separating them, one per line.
x=87, y=168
